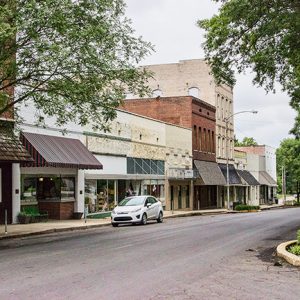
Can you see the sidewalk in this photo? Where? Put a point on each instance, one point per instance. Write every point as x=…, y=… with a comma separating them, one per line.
x=23, y=230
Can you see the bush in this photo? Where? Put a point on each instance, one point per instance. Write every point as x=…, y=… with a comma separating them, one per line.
x=244, y=207
x=295, y=249
x=296, y=203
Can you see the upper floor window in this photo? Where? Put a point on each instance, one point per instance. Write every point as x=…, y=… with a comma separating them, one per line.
x=157, y=93
x=194, y=91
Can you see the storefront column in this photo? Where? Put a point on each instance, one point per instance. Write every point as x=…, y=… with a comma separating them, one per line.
x=79, y=188
x=116, y=192
x=191, y=194
x=16, y=192
x=167, y=198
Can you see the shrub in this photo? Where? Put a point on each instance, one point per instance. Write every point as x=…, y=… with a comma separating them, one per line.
x=295, y=249
x=241, y=207
x=296, y=203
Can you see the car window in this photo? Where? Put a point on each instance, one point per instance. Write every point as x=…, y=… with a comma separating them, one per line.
x=132, y=201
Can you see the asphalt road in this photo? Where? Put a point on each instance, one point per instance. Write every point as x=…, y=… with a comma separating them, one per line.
x=204, y=257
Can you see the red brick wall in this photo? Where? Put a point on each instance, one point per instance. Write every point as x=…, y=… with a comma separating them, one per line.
x=58, y=210
x=174, y=110
x=185, y=111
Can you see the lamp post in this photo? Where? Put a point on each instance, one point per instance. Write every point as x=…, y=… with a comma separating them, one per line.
x=226, y=120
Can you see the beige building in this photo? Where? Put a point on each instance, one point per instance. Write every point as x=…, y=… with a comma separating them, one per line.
x=193, y=77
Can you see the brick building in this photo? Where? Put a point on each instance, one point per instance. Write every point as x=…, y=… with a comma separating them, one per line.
x=193, y=113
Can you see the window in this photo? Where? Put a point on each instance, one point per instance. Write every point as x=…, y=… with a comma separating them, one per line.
x=204, y=140
x=199, y=139
x=213, y=142
x=195, y=137
x=194, y=91
x=28, y=189
x=208, y=141
x=157, y=93
x=145, y=166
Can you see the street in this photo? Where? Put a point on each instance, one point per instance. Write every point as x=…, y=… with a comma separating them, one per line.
x=204, y=257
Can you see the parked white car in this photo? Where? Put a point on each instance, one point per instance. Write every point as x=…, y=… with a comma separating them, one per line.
x=137, y=210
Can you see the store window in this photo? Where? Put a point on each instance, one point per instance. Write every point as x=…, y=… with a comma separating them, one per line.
x=28, y=189
x=90, y=194
x=54, y=188
x=105, y=195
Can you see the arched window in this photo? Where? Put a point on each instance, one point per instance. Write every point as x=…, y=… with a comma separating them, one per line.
x=157, y=93
x=194, y=91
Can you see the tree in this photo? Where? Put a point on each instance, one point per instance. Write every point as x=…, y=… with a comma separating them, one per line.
x=288, y=155
x=73, y=59
x=263, y=35
x=247, y=141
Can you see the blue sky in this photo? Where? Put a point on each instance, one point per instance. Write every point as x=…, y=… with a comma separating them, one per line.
x=171, y=27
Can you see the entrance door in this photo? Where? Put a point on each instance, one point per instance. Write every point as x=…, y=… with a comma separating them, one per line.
x=6, y=192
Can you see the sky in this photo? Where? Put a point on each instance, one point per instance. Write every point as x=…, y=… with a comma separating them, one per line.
x=170, y=26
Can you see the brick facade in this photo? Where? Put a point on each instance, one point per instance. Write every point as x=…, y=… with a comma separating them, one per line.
x=58, y=210
x=185, y=111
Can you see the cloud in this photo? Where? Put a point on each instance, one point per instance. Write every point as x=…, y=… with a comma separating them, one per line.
x=171, y=26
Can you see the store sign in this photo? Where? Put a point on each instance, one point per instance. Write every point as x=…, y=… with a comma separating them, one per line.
x=189, y=174
x=180, y=174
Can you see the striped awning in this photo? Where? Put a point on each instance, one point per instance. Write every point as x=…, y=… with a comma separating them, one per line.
x=60, y=152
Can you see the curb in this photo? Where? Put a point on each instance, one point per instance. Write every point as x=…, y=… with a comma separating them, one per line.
x=289, y=257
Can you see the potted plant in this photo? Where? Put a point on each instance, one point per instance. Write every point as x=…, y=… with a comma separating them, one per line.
x=24, y=218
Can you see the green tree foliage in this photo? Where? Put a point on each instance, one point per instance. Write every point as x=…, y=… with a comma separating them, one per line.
x=288, y=155
x=73, y=58
x=247, y=141
x=263, y=35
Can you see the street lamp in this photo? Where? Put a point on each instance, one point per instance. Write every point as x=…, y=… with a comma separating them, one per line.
x=226, y=120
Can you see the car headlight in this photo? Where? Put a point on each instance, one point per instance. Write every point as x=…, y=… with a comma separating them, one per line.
x=136, y=210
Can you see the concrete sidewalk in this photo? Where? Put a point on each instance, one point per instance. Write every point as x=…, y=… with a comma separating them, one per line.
x=22, y=230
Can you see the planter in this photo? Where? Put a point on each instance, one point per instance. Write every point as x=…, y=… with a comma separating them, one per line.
x=24, y=219
x=289, y=257
x=77, y=215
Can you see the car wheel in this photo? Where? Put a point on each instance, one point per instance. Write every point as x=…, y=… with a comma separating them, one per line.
x=144, y=219
x=160, y=218
x=115, y=224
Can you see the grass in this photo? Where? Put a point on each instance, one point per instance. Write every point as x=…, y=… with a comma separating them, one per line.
x=295, y=249
x=243, y=207
x=100, y=215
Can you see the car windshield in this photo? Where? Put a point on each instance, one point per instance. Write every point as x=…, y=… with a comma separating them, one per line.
x=132, y=201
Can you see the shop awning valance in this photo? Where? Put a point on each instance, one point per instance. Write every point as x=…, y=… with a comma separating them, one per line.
x=266, y=179
x=210, y=172
x=234, y=178
x=11, y=149
x=248, y=177
x=55, y=151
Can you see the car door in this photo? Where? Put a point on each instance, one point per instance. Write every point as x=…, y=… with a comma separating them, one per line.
x=151, y=208
x=155, y=205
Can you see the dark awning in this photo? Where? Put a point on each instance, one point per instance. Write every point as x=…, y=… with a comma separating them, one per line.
x=266, y=179
x=209, y=172
x=234, y=178
x=11, y=149
x=54, y=151
x=248, y=177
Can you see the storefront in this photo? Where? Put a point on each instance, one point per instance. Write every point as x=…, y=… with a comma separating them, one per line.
x=11, y=154
x=105, y=192
x=54, y=182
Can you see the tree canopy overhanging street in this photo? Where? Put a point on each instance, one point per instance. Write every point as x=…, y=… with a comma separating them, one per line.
x=260, y=35
x=74, y=59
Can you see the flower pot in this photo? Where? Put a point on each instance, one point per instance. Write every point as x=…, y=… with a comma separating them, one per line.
x=77, y=215
x=24, y=219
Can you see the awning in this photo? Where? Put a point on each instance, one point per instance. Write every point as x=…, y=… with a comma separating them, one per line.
x=248, y=177
x=11, y=149
x=210, y=172
x=54, y=151
x=266, y=179
x=234, y=178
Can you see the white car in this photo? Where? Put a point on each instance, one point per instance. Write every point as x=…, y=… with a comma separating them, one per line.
x=137, y=209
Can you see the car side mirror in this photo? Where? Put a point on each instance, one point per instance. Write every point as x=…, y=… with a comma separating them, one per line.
x=148, y=205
